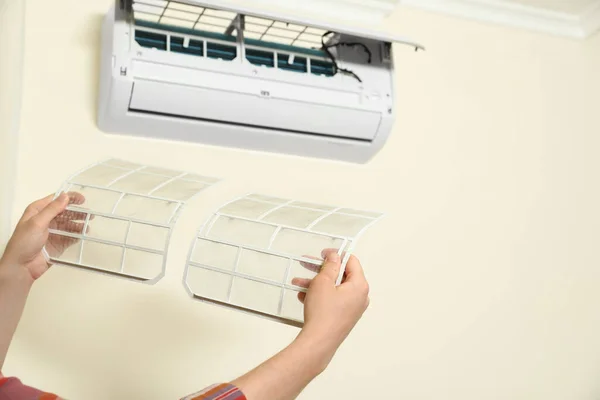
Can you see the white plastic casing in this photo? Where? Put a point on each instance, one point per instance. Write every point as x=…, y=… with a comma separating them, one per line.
x=371, y=11
x=162, y=94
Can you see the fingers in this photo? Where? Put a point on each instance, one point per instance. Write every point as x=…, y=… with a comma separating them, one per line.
x=72, y=216
x=72, y=227
x=316, y=267
x=302, y=297
x=331, y=268
x=304, y=283
x=354, y=272
x=326, y=252
x=76, y=198
x=301, y=282
x=35, y=207
x=51, y=211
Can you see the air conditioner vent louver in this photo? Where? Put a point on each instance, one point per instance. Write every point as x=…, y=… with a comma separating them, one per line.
x=262, y=37
x=297, y=64
x=194, y=47
x=261, y=58
x=221, y=51
x=216, y=50
x=151, y=40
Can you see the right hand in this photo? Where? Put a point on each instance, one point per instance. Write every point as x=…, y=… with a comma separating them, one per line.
x=330, y=311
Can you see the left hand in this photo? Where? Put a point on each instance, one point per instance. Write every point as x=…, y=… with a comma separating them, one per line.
x=24, y=250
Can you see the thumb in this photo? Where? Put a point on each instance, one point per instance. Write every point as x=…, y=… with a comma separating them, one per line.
x=51, y=211
x=331, y=267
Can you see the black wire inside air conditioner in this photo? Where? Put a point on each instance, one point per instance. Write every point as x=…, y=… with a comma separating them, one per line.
x=337, y=69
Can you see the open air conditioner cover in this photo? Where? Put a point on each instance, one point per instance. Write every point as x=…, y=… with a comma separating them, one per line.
x=363, y=11
x=291, y=17
x=236, y=76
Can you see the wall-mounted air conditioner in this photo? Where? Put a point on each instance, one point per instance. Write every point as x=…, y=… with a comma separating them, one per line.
x=203, y=72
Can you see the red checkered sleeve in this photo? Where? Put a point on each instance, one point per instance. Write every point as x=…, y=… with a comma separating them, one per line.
x=12, y=388
x=223, y=391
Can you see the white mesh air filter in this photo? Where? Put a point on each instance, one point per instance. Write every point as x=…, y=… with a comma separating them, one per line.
x=120, y=218
x=283, y=33
x=207, y=19
x=249, y=251
x=183, y=15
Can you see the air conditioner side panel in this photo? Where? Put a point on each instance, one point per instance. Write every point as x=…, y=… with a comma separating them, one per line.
x=105, y=67
x=114, y=57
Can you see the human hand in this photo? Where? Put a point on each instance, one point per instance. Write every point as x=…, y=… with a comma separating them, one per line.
x=24, y=250
x=330, y=312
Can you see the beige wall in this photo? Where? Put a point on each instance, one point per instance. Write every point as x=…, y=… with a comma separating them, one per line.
x=484, y=274
x=11, y=56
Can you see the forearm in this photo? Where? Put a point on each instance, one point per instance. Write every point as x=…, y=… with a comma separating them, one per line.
x=285, y=375
x=14, y=289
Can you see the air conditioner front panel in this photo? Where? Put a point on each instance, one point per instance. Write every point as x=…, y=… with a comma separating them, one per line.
x=207, y=103
x=235, y=78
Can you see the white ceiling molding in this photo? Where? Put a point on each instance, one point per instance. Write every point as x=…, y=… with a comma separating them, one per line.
x=517, y=15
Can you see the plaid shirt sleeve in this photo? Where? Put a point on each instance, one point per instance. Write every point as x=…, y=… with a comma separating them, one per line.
x=12, y=388
x=224, y=391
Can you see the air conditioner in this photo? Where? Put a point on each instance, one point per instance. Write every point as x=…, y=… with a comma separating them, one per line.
x=204, y=72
